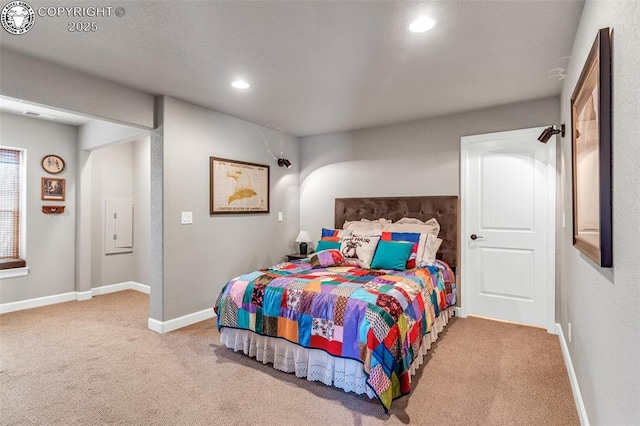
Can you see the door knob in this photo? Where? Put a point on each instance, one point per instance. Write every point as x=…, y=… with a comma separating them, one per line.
x=475, y=237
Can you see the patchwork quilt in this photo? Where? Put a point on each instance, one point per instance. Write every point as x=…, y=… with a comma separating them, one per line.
x=377, y=317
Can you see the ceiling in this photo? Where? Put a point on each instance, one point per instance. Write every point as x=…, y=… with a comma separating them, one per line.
x=37, y=111
x=320, y=66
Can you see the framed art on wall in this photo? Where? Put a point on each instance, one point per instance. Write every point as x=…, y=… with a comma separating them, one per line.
x=53, y=164
x=238, y=187
x=53, y=189
x=591, y=154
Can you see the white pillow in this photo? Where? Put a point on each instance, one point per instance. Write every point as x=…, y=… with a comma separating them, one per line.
x=430, y=248
x=410, y=220
x=382, y=220
x=359, y=249
x=429, y=227
x=360, y=226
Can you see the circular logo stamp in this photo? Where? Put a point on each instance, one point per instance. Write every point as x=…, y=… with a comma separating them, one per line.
x=17, y=17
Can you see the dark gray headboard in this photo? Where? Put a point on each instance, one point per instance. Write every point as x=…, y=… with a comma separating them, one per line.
x=443, y=207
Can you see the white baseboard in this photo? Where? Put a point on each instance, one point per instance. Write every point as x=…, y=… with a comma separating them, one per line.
x=142, y=288
x=128, y=285
x=573, y=379
x=74, y=295
x=37, y=302
x=183, y=321
x=83, y=295
x=459, y=312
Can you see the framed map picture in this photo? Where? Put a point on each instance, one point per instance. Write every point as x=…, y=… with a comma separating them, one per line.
x=238, y=187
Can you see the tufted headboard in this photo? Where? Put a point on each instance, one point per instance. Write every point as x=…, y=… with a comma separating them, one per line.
x=443, y=207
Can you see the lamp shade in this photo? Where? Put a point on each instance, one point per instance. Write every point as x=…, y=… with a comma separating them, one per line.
x=303, y=237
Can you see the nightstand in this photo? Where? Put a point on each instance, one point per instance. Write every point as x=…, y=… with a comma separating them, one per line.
x=295, y=256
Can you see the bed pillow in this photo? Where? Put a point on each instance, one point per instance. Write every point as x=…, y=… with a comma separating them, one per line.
x=414, y=225
x=392, y=255
x=327, y=245
x=326, y=258
x=334, y=234
x=410, y=220
x=359, y=250
x=411, y=237
x=382, y=221
x=430, y=250
x=364, y=227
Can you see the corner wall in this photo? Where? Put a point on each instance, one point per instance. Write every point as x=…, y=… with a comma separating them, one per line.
x=142, y=211
x=50, y=240
x=199, y=259
x=603, y=304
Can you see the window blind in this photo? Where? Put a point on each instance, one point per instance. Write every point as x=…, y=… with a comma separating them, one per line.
x=10, y=162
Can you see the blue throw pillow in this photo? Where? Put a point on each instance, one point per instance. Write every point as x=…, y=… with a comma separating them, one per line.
x=392, y=255
x=327, y=245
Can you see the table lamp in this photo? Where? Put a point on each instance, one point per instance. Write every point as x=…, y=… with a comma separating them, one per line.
x=303, y=238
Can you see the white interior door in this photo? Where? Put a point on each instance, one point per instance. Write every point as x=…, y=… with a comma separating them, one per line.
x=508, y=227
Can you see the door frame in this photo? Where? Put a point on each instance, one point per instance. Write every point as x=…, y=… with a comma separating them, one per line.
x=465, y=143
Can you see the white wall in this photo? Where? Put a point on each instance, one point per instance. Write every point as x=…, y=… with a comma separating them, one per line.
x=603, y=304
x=141, y=211
x=416, y=158
x=120, y=171
x=97, y=133
x=36, y=81
x=112, y=178
x=199, y=259
x=50, y=241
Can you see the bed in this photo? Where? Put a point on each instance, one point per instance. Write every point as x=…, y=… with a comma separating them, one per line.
x=361, y=324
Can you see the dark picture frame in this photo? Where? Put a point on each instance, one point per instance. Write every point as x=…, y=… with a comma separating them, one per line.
x=591, y=154
x=53, y=189
x=237, y=187
x=53, y=164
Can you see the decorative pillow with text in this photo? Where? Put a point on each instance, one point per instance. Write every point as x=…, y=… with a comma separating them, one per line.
x=359, y=249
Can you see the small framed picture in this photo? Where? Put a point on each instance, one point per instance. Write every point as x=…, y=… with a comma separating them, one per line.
x=53, y=164
x=53, y=189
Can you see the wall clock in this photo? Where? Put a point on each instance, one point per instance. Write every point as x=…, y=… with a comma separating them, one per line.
x=53, y=164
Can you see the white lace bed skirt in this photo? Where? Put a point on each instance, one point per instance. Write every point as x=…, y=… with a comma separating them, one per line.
x=316, y=364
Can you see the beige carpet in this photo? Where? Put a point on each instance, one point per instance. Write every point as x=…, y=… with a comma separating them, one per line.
x=95, y=362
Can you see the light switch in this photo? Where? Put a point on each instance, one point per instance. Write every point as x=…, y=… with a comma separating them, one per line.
x=280, y=217
x=187, y=218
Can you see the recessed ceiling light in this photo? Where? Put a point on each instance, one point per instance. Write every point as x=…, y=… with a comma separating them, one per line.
x=422, y=24
x=240, y=84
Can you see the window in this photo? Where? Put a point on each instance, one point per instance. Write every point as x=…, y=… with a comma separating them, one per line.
x=11, y=183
